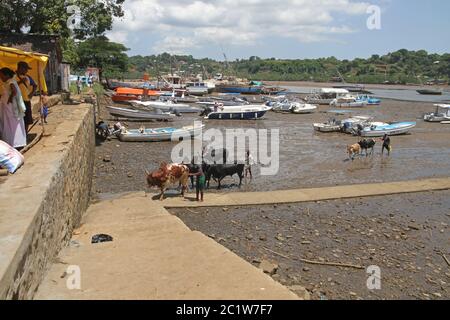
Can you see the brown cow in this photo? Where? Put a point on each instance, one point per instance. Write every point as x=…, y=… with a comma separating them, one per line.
x=169, y=174
x=353, y=150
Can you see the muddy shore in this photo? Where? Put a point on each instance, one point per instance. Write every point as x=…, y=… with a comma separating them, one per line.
x=307, y=158
x=405, y=235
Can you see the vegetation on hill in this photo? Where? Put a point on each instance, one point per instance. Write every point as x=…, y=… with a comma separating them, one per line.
x=402, y=66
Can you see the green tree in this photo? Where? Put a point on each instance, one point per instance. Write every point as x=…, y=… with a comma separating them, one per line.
x=52, y=16
x=109, y=57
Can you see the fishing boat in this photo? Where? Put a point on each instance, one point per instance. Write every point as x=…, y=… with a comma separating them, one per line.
x=166, y=106
x=371, y=101
x=379, y=129
x=324, y=96
x=330, y=126
x=348, y=101
x=138, y=114
x=438, y=115
x=242, y=112
x=434, y=92
x=160, y=134
x=129, y=94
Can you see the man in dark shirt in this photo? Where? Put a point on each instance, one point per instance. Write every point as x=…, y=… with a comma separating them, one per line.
x=386, y=144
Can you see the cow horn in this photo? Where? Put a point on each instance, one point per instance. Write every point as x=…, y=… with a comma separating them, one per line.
x=147, y=172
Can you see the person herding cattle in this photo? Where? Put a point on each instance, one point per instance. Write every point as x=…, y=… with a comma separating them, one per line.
x=249, y=161
x=386, y=144
x=196, y=171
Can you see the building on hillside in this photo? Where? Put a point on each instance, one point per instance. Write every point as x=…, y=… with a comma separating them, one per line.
x=57, y=71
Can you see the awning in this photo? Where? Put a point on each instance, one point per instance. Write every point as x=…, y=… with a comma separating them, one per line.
x=9, y=57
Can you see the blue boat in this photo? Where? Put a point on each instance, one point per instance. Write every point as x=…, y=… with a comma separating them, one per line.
x=244, y=112
x=241, y=89
x=379, y=129
x=369, y=99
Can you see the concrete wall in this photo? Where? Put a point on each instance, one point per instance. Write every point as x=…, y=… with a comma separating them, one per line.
x=44, y=201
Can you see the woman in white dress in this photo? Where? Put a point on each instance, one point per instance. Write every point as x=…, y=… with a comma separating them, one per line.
x=12, y=111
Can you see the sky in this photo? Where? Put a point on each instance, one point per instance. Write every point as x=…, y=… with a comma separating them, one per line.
x=282, y=29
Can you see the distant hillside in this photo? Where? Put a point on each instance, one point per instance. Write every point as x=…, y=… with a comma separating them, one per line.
x=402, y=66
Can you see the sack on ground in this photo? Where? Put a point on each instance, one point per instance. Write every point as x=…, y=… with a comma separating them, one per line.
x=10, y=158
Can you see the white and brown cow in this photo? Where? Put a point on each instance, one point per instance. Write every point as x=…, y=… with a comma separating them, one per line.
x=167, y=175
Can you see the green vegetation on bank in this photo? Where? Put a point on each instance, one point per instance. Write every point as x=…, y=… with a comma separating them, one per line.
x=402, y=66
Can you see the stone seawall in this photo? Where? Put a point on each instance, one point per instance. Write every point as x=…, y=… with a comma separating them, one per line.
x=44, y=201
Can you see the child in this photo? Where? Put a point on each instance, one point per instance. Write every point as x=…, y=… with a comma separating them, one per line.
x=44, y=108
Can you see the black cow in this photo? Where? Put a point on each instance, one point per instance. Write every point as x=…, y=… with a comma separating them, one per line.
x=367, y=144
x=220, y=171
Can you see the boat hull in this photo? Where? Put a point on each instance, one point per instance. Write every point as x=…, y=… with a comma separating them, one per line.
x=239, y=89
x=141, y=115
x=248, y=115
x=158, y=135
x=391, y=130
x=430, y=92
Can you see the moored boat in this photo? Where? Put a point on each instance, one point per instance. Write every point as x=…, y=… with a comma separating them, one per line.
x=379, y=129
x=434, y=92
x=243, y=112
x=348, y=102
x=438, y=115
x=324, y=96
x=166, y=106
x=371, y=101
x=329, y=126
x=160, y=134
x=138, y=114
x=302, y=108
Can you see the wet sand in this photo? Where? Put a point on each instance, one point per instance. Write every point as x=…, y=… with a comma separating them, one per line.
x=307, y=158
x=405, y=235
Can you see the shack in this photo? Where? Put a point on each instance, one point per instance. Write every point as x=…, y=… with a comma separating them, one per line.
x=56, y=73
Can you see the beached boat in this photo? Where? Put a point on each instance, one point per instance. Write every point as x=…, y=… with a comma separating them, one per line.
x=329, y=126
x=138, y=114
x=243, y=112
x=160, y=134
x=371, y=101
x=379, y=129
x=438, y=115
x=166, y=106
x=302, y=108
x=324, y=96
x=348, y=102
x=434, y=92
x=355, y=123
x=238, y=88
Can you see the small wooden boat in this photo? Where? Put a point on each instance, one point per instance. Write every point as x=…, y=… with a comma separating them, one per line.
x=303, y=108
x=434, y=92
x=330, y=126
x=379, y=129
x=138, y=114
x=243, y=112
x=160, y=134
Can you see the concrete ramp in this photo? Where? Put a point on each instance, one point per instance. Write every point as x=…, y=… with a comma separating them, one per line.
x=153, y=256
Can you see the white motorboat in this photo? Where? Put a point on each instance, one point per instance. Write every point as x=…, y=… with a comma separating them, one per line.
x=348, y=101
x=379, y=129
x=329, y=126
x=160, y=134
x=138, y=114
x=197, y=88
x=324, y=96
x=243, y=112
x=302, y=108
x=438, y=115
x=167, y=106
x=352, y=124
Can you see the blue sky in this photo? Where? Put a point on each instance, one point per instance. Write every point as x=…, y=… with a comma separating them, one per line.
x=281, y=28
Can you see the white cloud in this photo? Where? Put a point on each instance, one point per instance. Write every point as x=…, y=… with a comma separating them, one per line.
x=189, y=24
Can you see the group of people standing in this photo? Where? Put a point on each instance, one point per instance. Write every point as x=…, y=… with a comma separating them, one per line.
x=15, y=104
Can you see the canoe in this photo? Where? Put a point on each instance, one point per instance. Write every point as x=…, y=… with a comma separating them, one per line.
x=243, y=112
x=430, y=92
x=160, y=134
x=137, y=114
x=391, y=129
